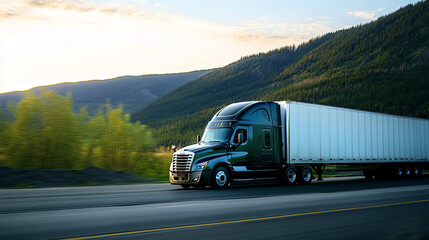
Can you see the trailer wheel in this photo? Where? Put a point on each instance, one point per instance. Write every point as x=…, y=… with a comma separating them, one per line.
x=289, y=176
x=407, y=172
x=305, y=175
x=399, y=171
x=220, y=178
x=416, y=171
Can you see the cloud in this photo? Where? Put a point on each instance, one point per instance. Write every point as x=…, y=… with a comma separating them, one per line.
x=287, y=30
x=46, y=8
x=365, y=14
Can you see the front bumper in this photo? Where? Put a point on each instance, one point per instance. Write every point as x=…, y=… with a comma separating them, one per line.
x=191, y=178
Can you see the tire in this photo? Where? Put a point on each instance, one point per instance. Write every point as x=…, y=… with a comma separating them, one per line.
x=416, y=171
x=305, y=176
x=398, y=171
x=290, y=176
x=220, y=178
x=407, y=171
x=185, y=186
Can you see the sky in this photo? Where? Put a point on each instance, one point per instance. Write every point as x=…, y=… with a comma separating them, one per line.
x=45, y=42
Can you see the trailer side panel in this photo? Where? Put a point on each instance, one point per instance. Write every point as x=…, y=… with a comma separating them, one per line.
x=318, y=134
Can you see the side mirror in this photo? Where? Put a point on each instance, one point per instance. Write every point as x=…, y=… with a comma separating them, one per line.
x=198, y=138
x=173, y=148
x=240, y=138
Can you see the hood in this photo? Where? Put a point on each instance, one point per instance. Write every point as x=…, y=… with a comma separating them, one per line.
x=203, y=146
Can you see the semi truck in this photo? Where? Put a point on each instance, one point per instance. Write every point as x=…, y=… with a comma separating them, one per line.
x=287, y=141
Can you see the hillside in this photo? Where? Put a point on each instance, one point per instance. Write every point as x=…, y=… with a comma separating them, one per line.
x=134, y=92
x=381, y=66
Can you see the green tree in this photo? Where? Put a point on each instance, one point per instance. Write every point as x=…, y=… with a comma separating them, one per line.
x=45, y=133
x=115, y=143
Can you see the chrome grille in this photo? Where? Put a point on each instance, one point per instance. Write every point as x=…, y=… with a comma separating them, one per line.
x=182, y=162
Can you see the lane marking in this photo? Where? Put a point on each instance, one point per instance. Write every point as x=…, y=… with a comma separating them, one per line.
x=245, y=220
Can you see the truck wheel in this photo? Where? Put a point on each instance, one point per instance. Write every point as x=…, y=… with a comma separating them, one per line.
x=220, y=178
x=305, y=176
x=289, y=176
x=185, y=186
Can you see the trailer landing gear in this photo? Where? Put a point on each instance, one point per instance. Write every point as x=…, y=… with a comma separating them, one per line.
x=319, y=170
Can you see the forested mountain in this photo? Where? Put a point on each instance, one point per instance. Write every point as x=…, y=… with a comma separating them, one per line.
x=134, y=92
x=381, y=66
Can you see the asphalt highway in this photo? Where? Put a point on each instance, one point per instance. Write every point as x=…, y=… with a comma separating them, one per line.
x=336, y=208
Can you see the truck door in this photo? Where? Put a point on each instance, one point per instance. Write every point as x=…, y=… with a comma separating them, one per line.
x=239, y=155
x=267, y=146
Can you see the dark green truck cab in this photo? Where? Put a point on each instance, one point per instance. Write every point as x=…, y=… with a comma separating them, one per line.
x=242, y=142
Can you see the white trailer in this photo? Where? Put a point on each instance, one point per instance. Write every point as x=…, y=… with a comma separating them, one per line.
x=317, y=134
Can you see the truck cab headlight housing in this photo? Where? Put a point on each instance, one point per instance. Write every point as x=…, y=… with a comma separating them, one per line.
x=200, y=166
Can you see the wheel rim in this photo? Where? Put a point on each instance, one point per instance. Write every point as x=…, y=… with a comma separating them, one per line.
x=306, y=175
x=408, y=171
x=291, y=175
x=400, y=172
x=416, y=170
x=221, y=178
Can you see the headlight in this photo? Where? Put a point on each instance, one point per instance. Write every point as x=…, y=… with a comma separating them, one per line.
x=201, y=166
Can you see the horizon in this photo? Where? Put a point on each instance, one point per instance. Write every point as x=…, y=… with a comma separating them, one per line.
x=100, y=80
x=52, y=42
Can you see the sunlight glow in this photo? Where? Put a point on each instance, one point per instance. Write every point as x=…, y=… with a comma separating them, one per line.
x=46, y=41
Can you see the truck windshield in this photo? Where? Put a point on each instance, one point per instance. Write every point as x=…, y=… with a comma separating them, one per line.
x=217, y=135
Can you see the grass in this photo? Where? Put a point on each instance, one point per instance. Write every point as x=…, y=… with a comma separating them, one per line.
x=157, y=168
x=2, y=154
x=339, y=171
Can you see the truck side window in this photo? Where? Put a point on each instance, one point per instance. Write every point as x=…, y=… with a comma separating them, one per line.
x=244, y=132
x=267, y=139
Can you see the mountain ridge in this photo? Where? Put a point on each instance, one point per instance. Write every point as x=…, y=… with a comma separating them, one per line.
x=134, y=92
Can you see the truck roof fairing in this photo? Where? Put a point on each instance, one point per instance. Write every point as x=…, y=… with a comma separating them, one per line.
x=234, y=111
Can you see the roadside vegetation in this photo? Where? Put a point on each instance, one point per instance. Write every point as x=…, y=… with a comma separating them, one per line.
x=43, y=132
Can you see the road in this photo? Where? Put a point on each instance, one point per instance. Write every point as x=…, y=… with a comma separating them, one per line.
x=337, y=208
